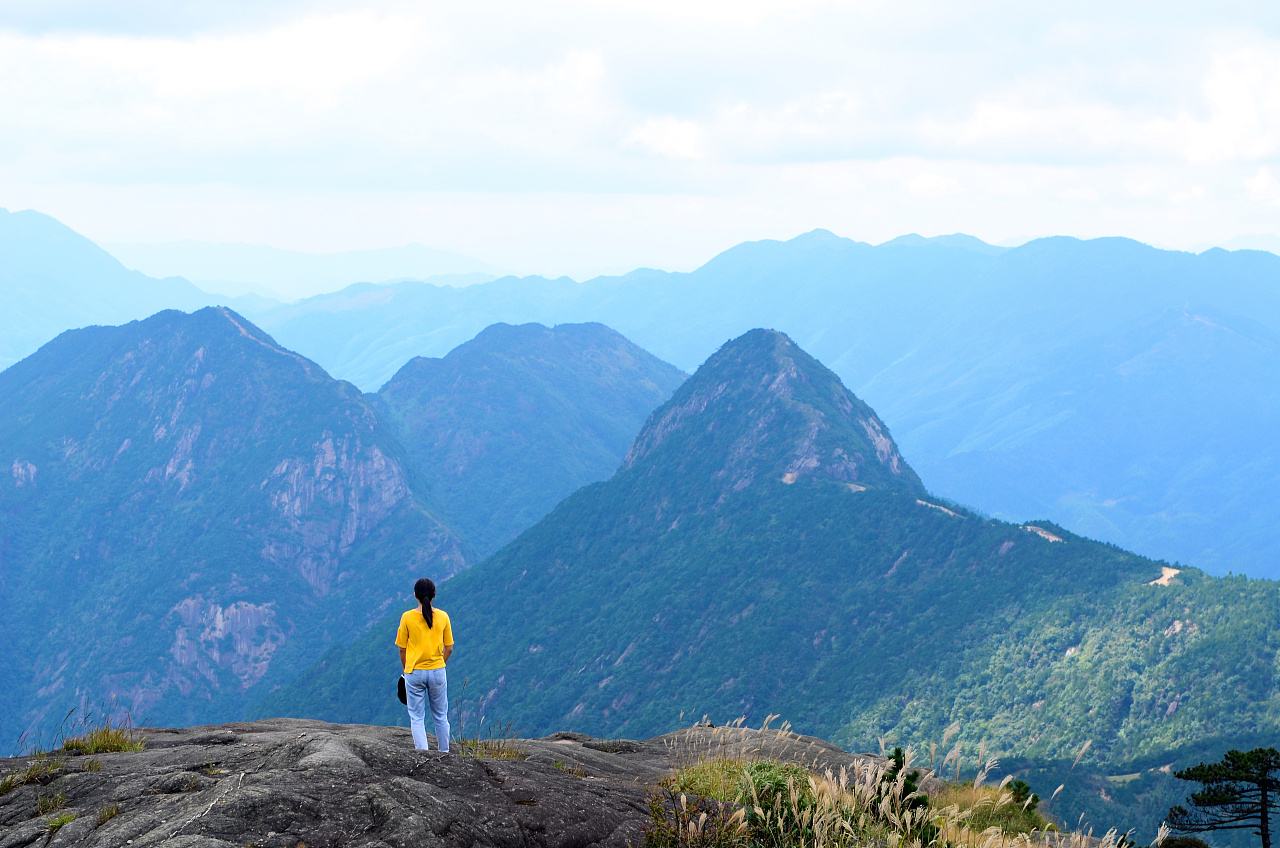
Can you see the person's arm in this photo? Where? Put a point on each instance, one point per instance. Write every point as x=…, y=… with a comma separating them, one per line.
x=448, y=638
x=448, y=652
x=402, y=641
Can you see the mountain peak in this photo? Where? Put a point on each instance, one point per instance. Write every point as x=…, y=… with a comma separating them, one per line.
x=761, y=408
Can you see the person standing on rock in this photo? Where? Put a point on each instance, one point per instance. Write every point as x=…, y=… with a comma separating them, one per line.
x=425, y=639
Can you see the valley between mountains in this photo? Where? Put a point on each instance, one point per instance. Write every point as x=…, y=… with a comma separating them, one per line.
x=623, y=551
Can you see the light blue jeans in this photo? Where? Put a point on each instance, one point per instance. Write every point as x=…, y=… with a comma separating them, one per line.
x=425, y=685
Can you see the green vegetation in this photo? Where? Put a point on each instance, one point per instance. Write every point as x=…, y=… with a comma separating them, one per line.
x=49, y=803
x=568, y=768
x=1239, y=792
x=40, y=771
x=545, y=411
x=104, y=739
x=720, y=580
x=107, y=813
x=720, y=778
x=488, y=749
x=730, y=803
x=986, y=807
x=56, y=823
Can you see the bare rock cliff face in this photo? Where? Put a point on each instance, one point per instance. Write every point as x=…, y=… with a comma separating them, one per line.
x=201, y=503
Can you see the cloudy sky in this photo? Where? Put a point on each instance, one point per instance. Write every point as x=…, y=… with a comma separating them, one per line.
x=588, y=137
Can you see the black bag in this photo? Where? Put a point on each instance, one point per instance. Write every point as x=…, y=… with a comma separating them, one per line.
x=401, y=693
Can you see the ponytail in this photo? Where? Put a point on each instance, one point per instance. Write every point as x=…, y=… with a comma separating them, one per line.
x=424, y=590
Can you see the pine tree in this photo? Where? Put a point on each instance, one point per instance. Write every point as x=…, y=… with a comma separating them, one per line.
x=1240, y=793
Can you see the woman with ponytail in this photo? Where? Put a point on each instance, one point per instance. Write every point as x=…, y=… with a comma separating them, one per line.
x=425, y=639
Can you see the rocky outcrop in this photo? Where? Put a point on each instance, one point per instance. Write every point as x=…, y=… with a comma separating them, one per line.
x=287, y=783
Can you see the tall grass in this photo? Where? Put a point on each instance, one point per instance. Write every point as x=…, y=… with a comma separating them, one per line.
x=870, y=802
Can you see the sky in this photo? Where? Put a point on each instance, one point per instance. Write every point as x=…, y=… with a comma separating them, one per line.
x=584, y=138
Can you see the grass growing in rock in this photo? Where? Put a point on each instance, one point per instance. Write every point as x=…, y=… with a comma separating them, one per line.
x=49, y=803
x=40, y=771
x=488, y=749
x=568, y=768
x=56, y=823
x=499, y=744
x=106, y=814
x=103, y=739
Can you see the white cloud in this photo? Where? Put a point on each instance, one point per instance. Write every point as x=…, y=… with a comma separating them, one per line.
x=657, y=130
x=670, y=137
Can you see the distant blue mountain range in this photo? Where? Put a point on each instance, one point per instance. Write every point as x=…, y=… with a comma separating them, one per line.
x=1128, y=393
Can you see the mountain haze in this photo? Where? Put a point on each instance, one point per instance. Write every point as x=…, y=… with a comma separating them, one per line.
x=506, y=425
x=238, y=269
x=208, y=505
x=1125, y=392
x=240, y=508
x=53, y=279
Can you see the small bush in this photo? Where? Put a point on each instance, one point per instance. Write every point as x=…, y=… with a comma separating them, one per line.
x=779, y=802
x=104, y=739
x=92, y=765
x=1183, y=842
x=56, y=823
x=1023, y=796
x=720, y=779
x=677, y=820
x=107, y=813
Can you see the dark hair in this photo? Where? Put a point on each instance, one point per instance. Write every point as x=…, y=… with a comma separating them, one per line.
x=424, y=590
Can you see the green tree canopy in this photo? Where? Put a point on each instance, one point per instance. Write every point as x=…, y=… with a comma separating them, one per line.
x=1240, y=793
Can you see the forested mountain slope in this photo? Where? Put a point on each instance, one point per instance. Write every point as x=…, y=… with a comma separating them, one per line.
x=187, y=509
x=766, y=549
x=1126, y=392
x=506, y=425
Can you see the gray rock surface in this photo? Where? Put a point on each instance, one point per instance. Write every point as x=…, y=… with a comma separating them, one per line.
x=286, y=783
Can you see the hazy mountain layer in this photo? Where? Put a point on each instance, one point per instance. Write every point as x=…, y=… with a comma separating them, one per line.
x=189, y=510
x=233, y=509
x=766, y=549
x=1123, y=391
x=53, y=279
x=237, y=269
x=508, y=424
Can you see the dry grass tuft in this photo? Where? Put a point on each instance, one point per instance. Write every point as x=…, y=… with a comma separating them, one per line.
x=103, y=739
x=488, y=749
x=107, y=813
x=569, y=768
x=40, y=771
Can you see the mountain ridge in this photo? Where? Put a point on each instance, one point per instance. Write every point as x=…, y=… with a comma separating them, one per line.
x=507, y=424
x=857, y=610
x=235, y=499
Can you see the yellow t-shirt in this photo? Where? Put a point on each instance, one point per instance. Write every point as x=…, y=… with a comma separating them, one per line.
x=424, y=648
